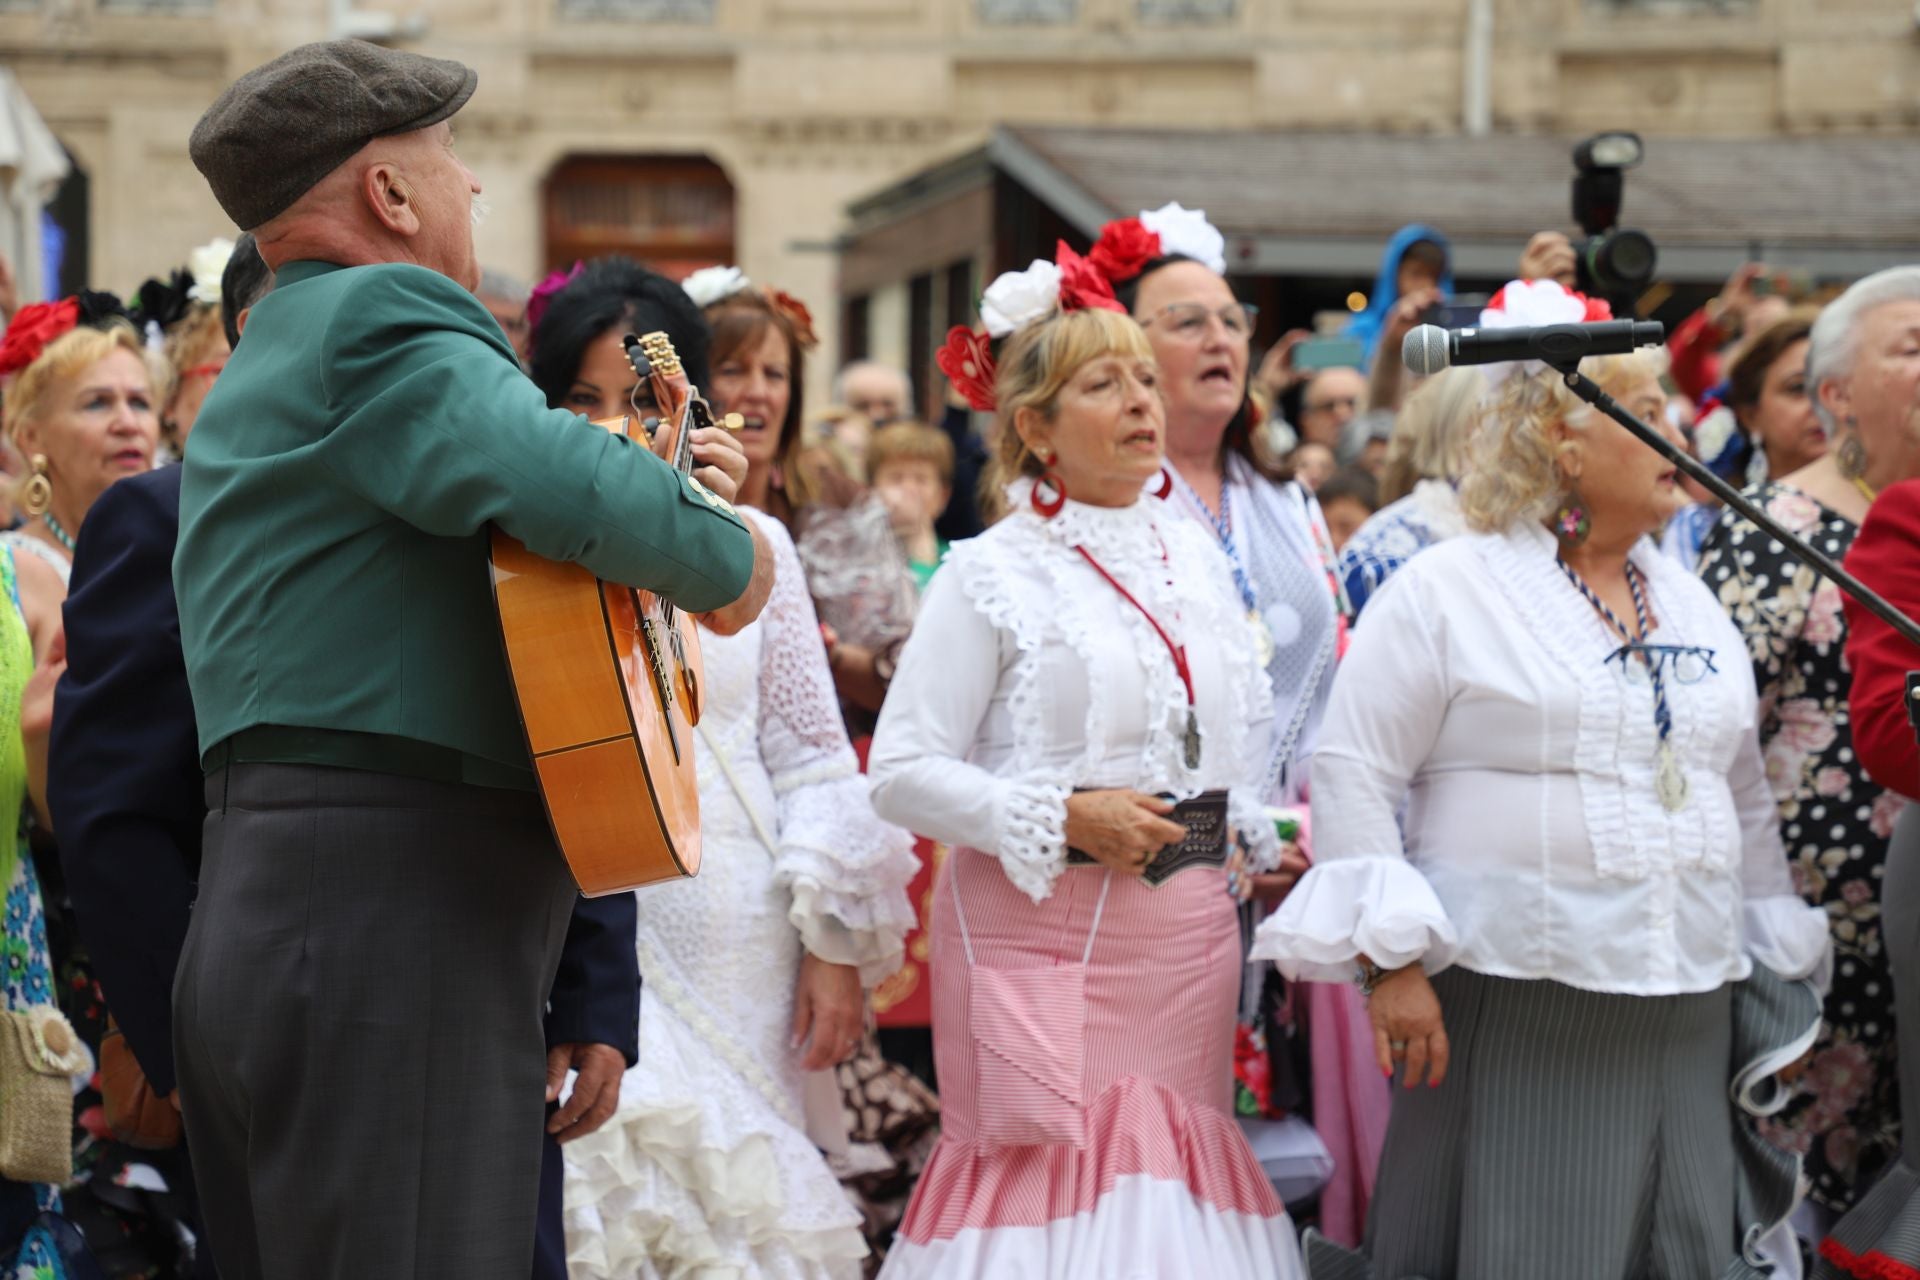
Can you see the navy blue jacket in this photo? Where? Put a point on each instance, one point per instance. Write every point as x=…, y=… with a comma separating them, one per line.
x=125, y=789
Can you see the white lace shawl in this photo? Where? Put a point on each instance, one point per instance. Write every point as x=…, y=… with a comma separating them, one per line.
x=1027, y=676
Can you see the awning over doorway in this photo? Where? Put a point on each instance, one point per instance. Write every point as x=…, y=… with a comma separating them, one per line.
x=1322, y=203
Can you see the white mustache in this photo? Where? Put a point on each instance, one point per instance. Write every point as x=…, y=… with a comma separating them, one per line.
x=479, y=211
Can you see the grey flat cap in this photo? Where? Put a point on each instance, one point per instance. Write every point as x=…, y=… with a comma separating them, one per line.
x=282, y=127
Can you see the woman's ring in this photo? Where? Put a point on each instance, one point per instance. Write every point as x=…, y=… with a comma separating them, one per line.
x=1398, y=1046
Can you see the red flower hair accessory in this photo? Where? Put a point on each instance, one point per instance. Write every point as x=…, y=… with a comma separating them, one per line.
x=32, y=329
x=1124, y=249
x=1083, y=286
x=967, y=360
x=542, y=294
x=797, y=315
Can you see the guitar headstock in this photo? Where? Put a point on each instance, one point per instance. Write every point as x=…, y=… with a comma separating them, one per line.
x=654, y=359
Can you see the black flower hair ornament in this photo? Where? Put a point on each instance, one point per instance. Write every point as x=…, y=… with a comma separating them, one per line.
x=162, y=302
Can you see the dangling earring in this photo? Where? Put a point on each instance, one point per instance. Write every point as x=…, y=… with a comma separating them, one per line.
x=36, y=496
x=1048, y=507
x=1166, y=483
x=1571, y=524
x=1850, y=455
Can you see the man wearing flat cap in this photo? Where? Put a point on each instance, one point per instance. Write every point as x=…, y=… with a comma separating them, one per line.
x=381, y=905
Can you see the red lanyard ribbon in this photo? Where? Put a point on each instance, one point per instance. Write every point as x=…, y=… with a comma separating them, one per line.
x=1179, y=652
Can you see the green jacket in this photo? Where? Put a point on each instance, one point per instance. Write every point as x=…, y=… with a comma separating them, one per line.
x=332, y=570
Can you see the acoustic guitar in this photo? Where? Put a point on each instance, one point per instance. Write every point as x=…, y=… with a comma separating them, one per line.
x=608, y=680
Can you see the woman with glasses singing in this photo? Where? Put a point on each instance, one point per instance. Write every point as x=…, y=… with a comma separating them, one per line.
x=1590, y=866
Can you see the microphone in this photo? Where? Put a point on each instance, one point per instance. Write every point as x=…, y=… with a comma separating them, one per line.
x=1429, y=348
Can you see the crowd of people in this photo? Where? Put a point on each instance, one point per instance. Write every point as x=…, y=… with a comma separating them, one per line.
x=1180, y=810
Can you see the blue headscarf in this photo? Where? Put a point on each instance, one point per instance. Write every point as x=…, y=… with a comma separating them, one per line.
x=1386, y=287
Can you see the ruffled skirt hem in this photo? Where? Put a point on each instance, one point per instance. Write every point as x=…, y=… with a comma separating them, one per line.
x=1880, y=1238
x=1164, y=1188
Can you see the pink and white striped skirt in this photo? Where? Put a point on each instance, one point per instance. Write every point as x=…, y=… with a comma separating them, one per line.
x=1086, y=1089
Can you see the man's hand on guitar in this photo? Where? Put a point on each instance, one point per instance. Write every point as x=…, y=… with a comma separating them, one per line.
x=719, y=462
x=728, y=619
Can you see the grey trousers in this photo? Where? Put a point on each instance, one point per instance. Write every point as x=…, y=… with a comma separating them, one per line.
x=357, y=1021
x=1579, y=1135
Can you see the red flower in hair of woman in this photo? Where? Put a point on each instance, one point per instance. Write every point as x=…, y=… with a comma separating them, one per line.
x=1124, y=249
x=32, y=328
x=967, y=360
x=542, y=296
x=797, y=314
x=1083, y=286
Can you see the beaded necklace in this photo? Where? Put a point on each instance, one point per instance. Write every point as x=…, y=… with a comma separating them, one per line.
x=60, y=535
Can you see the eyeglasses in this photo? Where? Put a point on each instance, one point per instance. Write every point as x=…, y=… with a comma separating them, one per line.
x=1687, y=664
x=1349, y=403
x=1187, y=321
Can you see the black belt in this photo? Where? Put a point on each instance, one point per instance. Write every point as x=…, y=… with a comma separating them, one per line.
x=1205, y=844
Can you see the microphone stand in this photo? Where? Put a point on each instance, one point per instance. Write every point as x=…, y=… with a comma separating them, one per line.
x=1812, y=557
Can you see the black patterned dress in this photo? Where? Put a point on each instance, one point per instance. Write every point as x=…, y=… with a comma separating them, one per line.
x=1845, y=1116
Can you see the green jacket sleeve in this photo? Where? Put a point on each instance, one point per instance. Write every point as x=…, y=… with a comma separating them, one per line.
x=437, y=425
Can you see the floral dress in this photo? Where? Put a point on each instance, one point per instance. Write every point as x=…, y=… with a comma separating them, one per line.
x=1845, y=1117
x=26, y=971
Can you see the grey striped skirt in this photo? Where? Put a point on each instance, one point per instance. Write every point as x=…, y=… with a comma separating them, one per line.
x=1579, y=1135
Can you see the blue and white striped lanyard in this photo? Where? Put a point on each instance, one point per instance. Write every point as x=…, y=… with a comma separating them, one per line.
x=1223, y=527
x=1662, y=713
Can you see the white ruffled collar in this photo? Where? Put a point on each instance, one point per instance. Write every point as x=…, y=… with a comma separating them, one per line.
x=1126, y=535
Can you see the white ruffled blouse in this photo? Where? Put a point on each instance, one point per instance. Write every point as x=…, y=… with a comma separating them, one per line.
x=1479, y=695
x=1029, y=676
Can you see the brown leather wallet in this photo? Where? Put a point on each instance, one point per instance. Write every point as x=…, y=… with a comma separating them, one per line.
x=1205, y=845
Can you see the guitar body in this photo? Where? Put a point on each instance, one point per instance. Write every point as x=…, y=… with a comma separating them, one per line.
x=608, y=681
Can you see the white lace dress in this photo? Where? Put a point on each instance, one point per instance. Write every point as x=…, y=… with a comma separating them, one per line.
x=706, y=1170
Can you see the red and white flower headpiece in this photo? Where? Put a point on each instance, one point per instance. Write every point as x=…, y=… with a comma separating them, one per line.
x=1530, y=303
x=1015, y=300
x=1127, y=245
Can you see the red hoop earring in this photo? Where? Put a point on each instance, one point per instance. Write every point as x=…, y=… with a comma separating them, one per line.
x=1166, y=484
x=1049, y=507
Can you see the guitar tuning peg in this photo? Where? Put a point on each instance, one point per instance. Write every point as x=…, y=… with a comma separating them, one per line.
x=734, y=422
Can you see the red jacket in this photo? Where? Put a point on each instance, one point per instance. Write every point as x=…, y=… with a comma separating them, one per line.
x=1886, y=556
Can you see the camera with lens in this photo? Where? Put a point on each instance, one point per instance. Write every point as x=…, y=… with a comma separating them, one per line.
x=1613, y=262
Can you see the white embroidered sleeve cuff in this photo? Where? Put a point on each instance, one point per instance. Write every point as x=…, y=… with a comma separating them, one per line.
x=848, y=872
x=1033, y=834
x=1249, y=820
x=1379, y=907
x=1790, y=938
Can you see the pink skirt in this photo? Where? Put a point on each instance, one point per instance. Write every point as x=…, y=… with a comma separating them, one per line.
x=1126, y=1066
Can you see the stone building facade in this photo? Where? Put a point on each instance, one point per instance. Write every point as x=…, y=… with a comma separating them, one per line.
x=689, y=128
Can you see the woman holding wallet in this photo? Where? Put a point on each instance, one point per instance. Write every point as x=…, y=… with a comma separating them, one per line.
x=1081, y=714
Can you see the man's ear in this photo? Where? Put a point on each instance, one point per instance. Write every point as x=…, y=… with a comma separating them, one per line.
x=389, y=197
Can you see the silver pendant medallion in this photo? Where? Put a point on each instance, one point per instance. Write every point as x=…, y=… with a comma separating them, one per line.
x=1669, y=780
x=1262, y=638
x=1191, y=741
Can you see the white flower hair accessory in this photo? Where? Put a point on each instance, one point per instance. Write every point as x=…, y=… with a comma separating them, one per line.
x=1187, y=232
x=709, y=285
x=1524, y=304
x=1018, y=298
x=206, y=265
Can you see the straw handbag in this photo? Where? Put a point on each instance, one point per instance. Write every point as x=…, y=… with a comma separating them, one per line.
x=39, y=1056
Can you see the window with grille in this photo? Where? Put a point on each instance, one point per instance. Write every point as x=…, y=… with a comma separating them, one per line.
x=1027, y=12
x=1172, y=11
x=692, y=11
x=673, y=213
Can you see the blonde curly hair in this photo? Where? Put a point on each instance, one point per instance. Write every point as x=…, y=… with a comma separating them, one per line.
x=1514, y=469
